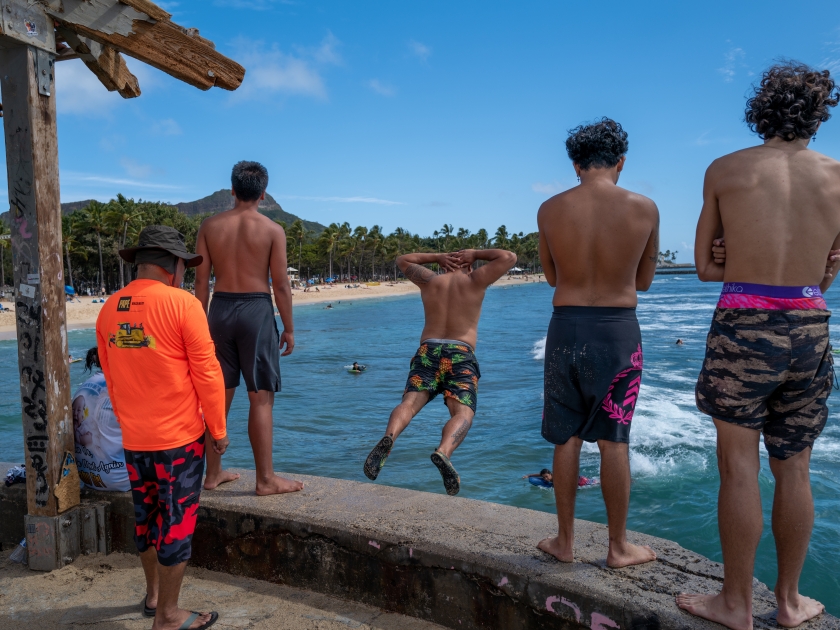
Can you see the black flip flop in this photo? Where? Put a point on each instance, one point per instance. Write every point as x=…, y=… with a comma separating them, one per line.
x=376, y=460
x=451, y=479
x=214, y=617
x=147, y=611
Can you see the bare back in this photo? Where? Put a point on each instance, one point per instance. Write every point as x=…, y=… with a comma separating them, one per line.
x=598, y=244
x=239, y=244
x=778, y=206
x=452, y=305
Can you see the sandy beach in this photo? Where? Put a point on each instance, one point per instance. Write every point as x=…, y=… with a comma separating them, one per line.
x=83, y=314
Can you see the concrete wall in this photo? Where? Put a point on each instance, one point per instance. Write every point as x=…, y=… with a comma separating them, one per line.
x=458, y=562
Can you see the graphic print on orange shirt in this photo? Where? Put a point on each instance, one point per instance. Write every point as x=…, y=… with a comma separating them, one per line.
x=131, y=335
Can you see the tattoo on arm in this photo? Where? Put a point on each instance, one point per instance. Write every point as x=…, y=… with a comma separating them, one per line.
x=419, y=274
x=461, y=433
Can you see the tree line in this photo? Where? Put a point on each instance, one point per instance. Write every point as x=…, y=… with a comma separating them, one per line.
x=93, y=235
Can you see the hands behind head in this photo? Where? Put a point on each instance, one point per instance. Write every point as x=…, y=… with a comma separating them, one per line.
x=462, y=259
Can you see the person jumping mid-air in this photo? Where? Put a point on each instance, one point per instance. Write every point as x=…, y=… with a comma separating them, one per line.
x=445, y=363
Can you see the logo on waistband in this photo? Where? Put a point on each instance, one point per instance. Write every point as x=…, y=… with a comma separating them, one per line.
x=809, y=292
x=124, y=304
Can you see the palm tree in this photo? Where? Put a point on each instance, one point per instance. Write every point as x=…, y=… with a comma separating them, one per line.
x=123, y=214
x=328, y=240
x=374, y=237
x=298, y=233
x=501, y=239
x=482, y=238
x=94, y=219
x=359, y=235
x=446, y=232
x=69, y=228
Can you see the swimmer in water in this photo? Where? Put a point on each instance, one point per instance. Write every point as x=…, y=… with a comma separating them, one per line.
x=545, y=474
x=679, y=342
x=357, y=367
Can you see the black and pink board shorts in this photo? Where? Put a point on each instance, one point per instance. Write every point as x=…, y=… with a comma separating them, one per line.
x=165, y=488
x=593, y=371
x=768, y=364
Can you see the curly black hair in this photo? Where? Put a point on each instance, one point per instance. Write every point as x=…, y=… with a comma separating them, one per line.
x=601, y=144
x=791, y=101
x=92, y=360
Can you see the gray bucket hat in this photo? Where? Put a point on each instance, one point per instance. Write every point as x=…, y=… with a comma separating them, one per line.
x=164, y=238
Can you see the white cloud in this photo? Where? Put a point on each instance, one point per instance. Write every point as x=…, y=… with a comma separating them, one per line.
x=381, y=88
x=420, y=50
x=72, y=177
x=166, y=127
x=382, y=202
x=733, y=59
x=135, y=169
x=272, y=71
x=78, y=91
x=548, y=189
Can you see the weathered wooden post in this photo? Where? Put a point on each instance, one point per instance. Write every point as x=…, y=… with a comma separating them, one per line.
x=34, y=34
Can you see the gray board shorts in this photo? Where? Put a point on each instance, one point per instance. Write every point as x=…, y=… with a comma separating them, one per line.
x=244, y=330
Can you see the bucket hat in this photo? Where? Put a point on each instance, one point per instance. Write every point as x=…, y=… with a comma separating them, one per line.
x=165, y=238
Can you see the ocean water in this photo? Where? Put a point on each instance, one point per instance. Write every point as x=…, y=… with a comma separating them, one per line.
x=327, y=420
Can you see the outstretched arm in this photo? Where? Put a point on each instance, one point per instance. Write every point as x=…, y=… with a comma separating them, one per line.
x=412, y=266
x=647, y=265
x=202, y=272
x=499, y=262
x=709, y=229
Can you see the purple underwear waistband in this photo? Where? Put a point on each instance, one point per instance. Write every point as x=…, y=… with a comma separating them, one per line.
x=770, y=291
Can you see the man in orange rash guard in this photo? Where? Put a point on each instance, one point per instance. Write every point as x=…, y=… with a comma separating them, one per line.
x=161, y=369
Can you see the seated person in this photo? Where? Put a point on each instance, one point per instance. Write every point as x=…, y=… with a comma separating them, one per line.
x=99, y=447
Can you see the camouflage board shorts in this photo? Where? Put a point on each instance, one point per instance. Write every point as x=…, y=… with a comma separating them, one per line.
x=769, y=370
x=165, y=487
x=448, y=366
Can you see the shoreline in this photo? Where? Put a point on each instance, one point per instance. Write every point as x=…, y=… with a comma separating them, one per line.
x=82, y=315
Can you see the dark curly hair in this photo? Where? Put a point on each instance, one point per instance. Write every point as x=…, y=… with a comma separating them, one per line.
x=92, y=360
x=791, y=101
x=600, y=144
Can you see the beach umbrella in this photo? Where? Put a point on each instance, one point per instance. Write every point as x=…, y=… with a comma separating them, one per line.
x=290, y=269
x=69, y=290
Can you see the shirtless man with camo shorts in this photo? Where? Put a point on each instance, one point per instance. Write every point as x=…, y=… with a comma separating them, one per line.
x=445, y=362
x=768, y=366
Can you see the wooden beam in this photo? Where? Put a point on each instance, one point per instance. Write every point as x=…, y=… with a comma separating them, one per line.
x=160, y=43
x=35, y=212
x=105, y=62
x=149, y=8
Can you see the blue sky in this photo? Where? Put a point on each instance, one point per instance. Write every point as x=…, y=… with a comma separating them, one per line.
x=419, y=114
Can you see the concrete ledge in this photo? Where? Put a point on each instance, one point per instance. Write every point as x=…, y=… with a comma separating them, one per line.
x=457, y=562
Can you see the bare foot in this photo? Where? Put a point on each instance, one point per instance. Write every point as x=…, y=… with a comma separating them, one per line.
x=555, y=548
x=178, y=619
x=627, y=555
x=277, y=485
x=790, y=615
x=714, y=608
x=210, y=482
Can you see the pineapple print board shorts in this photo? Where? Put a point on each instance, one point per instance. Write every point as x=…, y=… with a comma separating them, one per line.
x=771, y=371
x=165, y=488
x=593, y=371
x=445, y=366
x=244, y=330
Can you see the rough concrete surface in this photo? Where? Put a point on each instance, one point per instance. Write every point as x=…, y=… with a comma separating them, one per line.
x=457, y=562
x=104, y=592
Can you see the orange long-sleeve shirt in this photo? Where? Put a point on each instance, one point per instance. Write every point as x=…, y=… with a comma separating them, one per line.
x=160, y=366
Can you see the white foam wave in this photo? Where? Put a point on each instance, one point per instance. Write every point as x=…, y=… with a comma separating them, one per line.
x=538, y=351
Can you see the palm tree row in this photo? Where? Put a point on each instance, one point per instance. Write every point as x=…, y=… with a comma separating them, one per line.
x=93, y=235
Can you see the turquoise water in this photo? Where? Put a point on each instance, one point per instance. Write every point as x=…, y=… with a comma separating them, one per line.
x=327, y=420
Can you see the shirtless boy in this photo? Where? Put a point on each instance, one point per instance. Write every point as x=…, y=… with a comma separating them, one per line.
x=598, y=246
x=768, y=366
x=242, y=246
x=445, y=363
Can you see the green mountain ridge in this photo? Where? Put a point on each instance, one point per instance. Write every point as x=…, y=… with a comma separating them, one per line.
x=219, y=201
